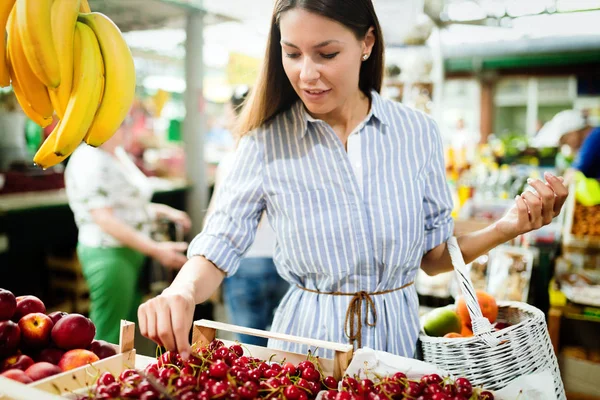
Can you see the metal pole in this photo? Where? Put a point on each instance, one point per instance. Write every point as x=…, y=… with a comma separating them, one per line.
x=194, y=125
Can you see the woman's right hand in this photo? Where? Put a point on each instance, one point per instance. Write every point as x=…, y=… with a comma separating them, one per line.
x=167, y=319
x=170, y=254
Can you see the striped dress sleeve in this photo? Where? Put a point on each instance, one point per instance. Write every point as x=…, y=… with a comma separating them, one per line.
x=437, y=199
x=231, y=227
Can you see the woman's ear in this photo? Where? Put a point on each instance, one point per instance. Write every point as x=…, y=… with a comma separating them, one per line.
x=369, y=41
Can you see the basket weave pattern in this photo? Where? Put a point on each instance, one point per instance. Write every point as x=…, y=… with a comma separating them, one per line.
x=524, y=347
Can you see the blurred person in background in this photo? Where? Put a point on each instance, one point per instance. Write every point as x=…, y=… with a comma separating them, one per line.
x=354, y=186
x=254, y=292
x=570, y=131
x=114, y=216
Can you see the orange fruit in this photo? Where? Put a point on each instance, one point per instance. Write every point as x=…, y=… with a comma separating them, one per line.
x=488, y=305
x=453, y=335
x=466, y=331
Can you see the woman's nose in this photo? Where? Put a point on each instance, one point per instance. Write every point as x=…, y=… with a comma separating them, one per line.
x=309, y=70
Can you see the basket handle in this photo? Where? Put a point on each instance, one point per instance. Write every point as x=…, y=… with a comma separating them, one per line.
x=481, y=326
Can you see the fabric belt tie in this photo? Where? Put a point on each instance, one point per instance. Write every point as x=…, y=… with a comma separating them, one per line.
x=354, y=319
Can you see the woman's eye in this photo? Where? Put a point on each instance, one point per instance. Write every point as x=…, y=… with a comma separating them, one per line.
x=330, y=55
x=292, y=55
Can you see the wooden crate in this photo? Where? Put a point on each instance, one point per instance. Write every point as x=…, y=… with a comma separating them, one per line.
x=205, y=331
x=78, y=379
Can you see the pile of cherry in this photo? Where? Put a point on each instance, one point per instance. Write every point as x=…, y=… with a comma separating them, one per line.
x=221, y=372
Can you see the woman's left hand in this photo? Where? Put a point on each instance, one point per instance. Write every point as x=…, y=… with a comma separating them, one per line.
x=534, y=210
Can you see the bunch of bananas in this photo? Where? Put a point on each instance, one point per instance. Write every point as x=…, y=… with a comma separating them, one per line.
x=62, y=58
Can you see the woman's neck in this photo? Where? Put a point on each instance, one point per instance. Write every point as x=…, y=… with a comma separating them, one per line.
x=344, y=119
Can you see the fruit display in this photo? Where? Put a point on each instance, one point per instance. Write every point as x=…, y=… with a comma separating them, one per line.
x=35, y=345
x=224, y=372
x=62, y=59
x=455, y=321
x=586, y=220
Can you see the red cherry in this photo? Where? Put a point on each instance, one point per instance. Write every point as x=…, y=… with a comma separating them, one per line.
x=255, y=374
x=273, y=383
x=433, y=388
x=393, y=389
x=203, y=395
x=464, y=391
x=399, y=377
x=166, y=373
x=188, y=396
x=219, y=389
x=330, y=382
x=366, y=386
x=303, y=396
x=306, y=364
x=343, y=396
x=221, y=352
x=242, y=376
x=237, y=350
x=413, y=389
x=130, y=393
x=113, y=389
x=285, y=381
x=331, y=394
x=485, y=395
x=276, y=367
x=185, y=381
x=270, y=373
x=127, y=373
x=315, y=387
x=292, y=392
x=248, y=391
x=463, y=382
x=215, y=344
x=106, y=379
x=450, y=389
x=149, y=396
x=218, y=369
x=151, y=369
x=145, y=386
x=311, y=374
x=187, y=370
x=263, y=367
x=303, y=383
x=440, y=396
x=289, y=369
x=350, y=383
x=458, y=397
x=432, y=378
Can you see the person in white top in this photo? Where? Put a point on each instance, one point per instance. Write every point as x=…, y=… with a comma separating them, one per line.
x=114, y=216
x=252, y=295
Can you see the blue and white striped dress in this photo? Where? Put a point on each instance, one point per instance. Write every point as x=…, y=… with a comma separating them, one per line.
x=338, y=232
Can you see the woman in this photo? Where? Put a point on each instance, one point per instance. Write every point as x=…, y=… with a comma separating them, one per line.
x=254, y=292
x=353, y=185
x=114, y=216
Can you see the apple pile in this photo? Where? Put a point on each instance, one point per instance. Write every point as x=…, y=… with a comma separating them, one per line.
x=224, y=372
x=35, y=345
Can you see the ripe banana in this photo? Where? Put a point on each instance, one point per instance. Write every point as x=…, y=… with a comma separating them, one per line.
x=64, y=16
x=85, y=95
x=27, y=109
x=35, y=31
x=45, y=156
x=34, y=93
x=85, y=7
x=119, y=85
x=5, y=8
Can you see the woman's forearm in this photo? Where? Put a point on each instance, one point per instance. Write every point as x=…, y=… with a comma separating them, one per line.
x=198, y=277
x=472, y=245
x=125, y=234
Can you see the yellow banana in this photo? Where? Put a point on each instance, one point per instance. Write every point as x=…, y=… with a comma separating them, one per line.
x=35, y=31
x=64, y=17
x=45, y=156
x=85, y=7
x=119, y=84
x=5, y=8
x=34, y=93
x=27, y=109
x=87, y=86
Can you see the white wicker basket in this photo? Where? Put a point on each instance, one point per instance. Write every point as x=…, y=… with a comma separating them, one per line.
x=492, y=358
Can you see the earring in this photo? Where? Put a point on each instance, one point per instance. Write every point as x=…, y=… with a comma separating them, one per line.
x=365, y=57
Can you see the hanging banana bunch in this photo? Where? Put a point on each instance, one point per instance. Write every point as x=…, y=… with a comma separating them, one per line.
x=63, y=59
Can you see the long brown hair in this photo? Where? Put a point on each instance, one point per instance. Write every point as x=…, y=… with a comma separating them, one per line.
x=273, y=92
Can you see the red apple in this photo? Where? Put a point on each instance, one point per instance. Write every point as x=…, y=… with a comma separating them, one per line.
x=56, y=315
x=102, y=349
x=76, y=358
x=10, y=337
x=51, y=355
x=8, y=304
x=27, y=305
x=20, y=361
x=73, y=331
x=42, y=370
x=35, y=330
x=17, y=375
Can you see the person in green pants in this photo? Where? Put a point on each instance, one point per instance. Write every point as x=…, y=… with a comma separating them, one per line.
x=110, y=199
